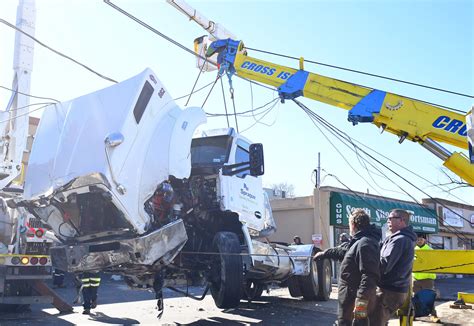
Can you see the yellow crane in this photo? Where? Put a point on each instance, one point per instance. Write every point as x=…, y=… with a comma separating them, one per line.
x=407, y=118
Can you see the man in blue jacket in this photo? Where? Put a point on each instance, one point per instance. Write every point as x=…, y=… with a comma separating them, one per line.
x=359, y=272
x=396, y=263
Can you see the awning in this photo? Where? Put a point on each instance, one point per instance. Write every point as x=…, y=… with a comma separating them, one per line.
x=423, y=219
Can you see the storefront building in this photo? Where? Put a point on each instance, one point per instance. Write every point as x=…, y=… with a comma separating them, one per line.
x=456, y=229
x=321, y=218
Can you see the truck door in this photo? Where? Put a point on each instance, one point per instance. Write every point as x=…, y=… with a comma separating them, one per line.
x=243, y=193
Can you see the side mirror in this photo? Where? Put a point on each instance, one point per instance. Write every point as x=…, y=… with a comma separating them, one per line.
x=114, y=139
x=256, y=160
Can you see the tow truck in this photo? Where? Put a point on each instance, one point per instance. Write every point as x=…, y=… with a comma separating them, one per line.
x=25, y=264
x=407, y=118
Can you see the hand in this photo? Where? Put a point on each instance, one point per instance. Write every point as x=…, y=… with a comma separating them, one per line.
x=360, y=308
x=318, y=255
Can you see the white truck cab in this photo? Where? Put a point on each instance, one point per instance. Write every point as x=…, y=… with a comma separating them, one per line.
x=124, y=185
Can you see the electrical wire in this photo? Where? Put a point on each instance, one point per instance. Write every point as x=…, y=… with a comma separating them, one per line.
x=363, y=73
x=460, y=235
x=335, y=148
x=263, y=116
x=154, y=30
x=29, y=95
x=194, y=92
x=29, y=105
x=26, y=113
x=401, y=188
x=351, y=140
x=453, y=230
x=55, y=51
x=244, y=113
x=410, y=171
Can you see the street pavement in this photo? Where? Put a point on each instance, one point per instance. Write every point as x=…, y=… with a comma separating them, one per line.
x=119, y=305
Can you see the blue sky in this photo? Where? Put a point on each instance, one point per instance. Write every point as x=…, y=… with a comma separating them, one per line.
x=426, y=42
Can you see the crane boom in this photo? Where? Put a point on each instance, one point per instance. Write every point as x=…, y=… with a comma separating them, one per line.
x=405, y=117
x=14, y=136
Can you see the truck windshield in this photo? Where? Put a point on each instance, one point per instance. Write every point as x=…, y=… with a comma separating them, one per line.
x=210, y=150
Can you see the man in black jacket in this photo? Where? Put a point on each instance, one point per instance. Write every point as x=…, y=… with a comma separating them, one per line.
x=396, y=263
x=359, y=272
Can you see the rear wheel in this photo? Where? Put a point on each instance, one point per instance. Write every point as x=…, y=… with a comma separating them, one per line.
x=309, y=284
x=324, y=278
x=294, y=287
x=317, y=285
x=227, y=271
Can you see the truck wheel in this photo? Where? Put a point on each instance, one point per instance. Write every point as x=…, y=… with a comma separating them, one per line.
x=294, y=287
x=252, y=291
x=227, y=271
x=309, y=284
x=324, y=279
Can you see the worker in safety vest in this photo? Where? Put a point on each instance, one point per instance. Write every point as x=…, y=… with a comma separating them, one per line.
x=422, y=280
x=90, y=283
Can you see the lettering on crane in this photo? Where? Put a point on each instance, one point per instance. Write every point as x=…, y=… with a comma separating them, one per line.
x=265, y=70
x=451, y=125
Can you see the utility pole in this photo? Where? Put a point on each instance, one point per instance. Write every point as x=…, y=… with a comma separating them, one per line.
x=14, y=134
x=318, y=172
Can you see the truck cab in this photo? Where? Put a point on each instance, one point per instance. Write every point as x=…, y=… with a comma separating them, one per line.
x=128, y=187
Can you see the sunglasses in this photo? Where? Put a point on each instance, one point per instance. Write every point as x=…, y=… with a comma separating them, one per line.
x=392, y=217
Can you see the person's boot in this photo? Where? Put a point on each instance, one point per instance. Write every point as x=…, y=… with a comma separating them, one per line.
x=94, y=304
x=86, y=312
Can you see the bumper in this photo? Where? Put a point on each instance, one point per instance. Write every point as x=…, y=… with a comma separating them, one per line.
x=160, y=246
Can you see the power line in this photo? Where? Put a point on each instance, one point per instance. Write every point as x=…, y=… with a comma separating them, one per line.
x=29, y=95
x=335, y=147
x=244, y=113
x=263, y=116
x=26, y=113
x=154, y=30
x=27, y=106
x=194, y=92
x=55, y=51
x=363, y=73
x=391, y=170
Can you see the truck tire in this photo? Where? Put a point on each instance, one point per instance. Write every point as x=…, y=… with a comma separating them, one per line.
x=227, y=271
x=294, y=287
x=309, y=284
x=324, y=279
x=252, y=291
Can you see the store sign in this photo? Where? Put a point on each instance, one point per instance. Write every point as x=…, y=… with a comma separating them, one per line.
x=317, y=239
x=453, y=217
x=341, y=205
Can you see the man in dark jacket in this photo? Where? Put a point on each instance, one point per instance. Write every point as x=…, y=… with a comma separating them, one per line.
x=396, y=263
x=359, y=272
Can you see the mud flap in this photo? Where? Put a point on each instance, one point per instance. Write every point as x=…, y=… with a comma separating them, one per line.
x=58, y=302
